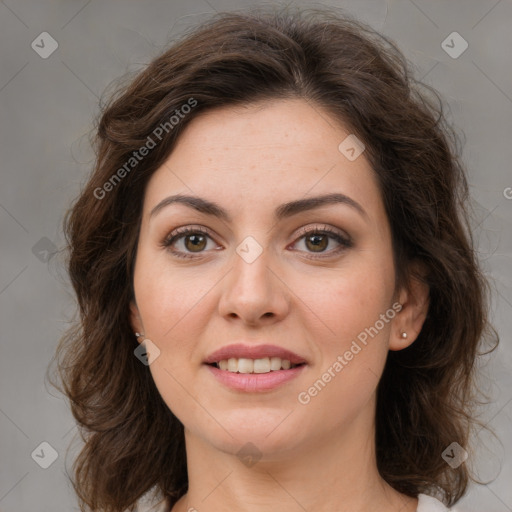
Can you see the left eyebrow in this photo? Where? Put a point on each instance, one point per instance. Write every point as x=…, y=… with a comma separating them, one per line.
x=283, y=211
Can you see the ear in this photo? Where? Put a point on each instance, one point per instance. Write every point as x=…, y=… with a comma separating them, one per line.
x=135, y=320
x=415, y=302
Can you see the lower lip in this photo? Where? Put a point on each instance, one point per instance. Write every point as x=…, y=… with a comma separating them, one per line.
x=253, y=382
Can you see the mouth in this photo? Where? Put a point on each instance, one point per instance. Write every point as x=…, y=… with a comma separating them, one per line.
x=254, y=366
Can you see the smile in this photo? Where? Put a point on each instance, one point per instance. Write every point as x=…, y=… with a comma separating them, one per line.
x=262, y=365
x=252, y=382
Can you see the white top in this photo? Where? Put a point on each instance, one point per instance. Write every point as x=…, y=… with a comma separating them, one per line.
x=425, y=504
x=430, y=504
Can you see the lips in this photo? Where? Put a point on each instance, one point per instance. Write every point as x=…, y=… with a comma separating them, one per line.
x=240, y=351
x=256, y=367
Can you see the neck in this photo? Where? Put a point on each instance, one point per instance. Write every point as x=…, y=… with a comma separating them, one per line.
x=332, y=473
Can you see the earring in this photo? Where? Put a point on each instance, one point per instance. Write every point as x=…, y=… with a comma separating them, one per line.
x=139, y=334
x=404, y=335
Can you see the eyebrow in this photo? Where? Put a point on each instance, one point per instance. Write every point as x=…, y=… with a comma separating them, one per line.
x=283, y=211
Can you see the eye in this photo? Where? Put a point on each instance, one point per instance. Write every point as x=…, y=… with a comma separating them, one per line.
x=194, y=240
x=317, y=240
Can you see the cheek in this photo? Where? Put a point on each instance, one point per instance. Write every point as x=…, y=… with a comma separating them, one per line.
x=169, y=305
x=168, y=299
x=353, y=349
x=353, y=299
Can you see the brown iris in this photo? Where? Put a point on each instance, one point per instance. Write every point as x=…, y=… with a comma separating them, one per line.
x=318, y=244
x=198, y=242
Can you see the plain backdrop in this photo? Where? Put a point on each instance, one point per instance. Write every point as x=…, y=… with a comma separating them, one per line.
x=47, y=106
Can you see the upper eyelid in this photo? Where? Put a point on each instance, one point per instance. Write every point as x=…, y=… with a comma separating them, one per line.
x=183, y=231
x=325, y=227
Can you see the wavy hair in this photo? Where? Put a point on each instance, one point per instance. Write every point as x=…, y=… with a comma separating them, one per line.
x=427, y=395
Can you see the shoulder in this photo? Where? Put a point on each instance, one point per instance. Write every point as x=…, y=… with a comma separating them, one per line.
x=430, y=504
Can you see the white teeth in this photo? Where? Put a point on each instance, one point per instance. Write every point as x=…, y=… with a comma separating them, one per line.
x=263, y=365
x=245, y=365
x=275, y=363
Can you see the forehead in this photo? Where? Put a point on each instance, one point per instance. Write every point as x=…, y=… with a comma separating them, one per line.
x=266, y=153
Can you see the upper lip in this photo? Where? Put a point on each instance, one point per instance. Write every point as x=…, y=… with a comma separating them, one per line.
x=253, y=352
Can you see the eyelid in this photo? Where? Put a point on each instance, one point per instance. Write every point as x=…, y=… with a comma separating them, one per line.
x=323, y=229
x=187, y=229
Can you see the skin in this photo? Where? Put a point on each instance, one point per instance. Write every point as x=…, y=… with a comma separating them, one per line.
x=249, y=160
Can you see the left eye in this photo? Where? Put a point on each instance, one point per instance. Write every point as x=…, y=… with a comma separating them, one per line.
x=318, y=241
x=195, y=241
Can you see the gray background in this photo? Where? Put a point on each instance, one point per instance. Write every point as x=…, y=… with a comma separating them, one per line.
x=47, y=107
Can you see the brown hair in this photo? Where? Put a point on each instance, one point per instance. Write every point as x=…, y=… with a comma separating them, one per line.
x=427, y=393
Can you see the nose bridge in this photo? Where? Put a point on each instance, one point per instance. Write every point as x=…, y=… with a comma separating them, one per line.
x=251, y=273
x=252, y=263
x=252, y=289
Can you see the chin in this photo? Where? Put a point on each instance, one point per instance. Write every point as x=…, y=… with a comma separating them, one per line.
x=257, y=429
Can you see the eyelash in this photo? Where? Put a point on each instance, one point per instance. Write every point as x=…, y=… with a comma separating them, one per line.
x=344, y=242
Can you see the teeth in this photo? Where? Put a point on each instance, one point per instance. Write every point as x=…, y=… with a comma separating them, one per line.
x=263, y=365
x=275, y=363
x=245, y=365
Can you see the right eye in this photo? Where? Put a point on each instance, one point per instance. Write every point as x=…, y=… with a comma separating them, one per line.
x=194, y=240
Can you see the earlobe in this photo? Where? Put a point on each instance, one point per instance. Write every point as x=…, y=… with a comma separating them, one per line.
x=415, y=302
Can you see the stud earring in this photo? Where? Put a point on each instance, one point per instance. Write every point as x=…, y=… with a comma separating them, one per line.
x=404, y=335
x=139, y=334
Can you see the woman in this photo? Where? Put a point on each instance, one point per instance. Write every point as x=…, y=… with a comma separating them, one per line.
x=280, y=306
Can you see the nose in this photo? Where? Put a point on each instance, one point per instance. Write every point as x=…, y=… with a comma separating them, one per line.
x=254, y=291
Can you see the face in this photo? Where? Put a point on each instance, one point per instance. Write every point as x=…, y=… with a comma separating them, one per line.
x=316, y=281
